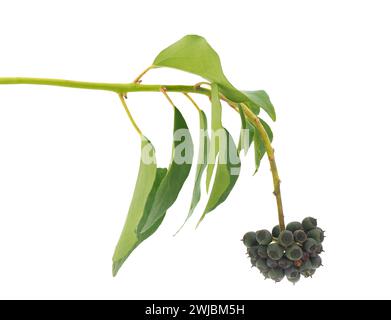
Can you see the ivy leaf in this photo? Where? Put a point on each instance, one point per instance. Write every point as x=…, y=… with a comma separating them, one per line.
x=217, y=129
x=259, y=146
x=246, y=132
x=227, y=173
x=169, y=188
x=194, y=54
x=202, y=163
x=149, y=178
x=260, y=99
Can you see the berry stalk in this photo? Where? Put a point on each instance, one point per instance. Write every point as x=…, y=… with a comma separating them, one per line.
x=272, y=160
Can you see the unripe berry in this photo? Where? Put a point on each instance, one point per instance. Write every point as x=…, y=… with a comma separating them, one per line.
x=294, y=226
x=253, y=252
x=319, y=249
x=311, y=246
x=286, y=238
x=285, y=263
x=263, y=237
x=262, y=252
x=300, y=236
x=292, y=275
x=276, y=231
x=276, y=274
x=294, y=252
x=306, y=266
x=275, y=251
x=271, y=263
x=316, y=234
x=316, y=262
x=253, y=262
x=249, y=239
x=261, y=265
x=309, y=223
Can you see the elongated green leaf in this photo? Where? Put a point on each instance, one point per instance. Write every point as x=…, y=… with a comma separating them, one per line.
x=193, y=54
x=217, y=129
x=261, y=99
x=259, y=146
x=172, y=183
x=149, y=178
x=202, y=163
x=227, y=173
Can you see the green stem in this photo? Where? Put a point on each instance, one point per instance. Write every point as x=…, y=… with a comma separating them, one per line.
x=272, y=160
x=114, y=87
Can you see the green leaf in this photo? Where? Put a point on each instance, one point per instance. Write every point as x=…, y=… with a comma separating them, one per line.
x=172, y=183
x=261, y=99
x=194, y=54
x=259, y=146
x=246, y=132
x=148, y=179
x=227, y=173
x=217, y=129
x=202, y=163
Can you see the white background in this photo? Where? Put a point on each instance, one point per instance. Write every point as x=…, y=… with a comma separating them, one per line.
x=69, y=158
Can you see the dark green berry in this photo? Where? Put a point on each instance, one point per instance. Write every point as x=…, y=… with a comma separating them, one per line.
x=306, y=266
x=253, y=262
x=316, y=262
x=292, y=275
x=294, y=226
x=275, y=251
x=309, y=223
x=263, y=237
x=253, y=252
x=276, y=274
x=311, y=246
x=276, y=231
x=294, y=252
x=261, y=265
x=262, y=252
x=316, y=234
x=300, y=236
x=319, y=249
x=285, y=263
x=249, y=239
x=286, y=238
x=271, y=263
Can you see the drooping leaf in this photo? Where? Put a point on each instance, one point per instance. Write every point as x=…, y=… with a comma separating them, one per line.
x=217, y=130
x=171, y=185
x=194, y=54
x=246, y=132
x=261, y=99
x=259, y=146
x=227, y=173
x=148, y=179
x=202, y=163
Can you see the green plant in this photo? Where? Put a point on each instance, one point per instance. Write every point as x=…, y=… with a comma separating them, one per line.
x=157, y=188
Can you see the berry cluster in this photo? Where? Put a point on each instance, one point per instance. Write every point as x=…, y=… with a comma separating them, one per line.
x=293, y=252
